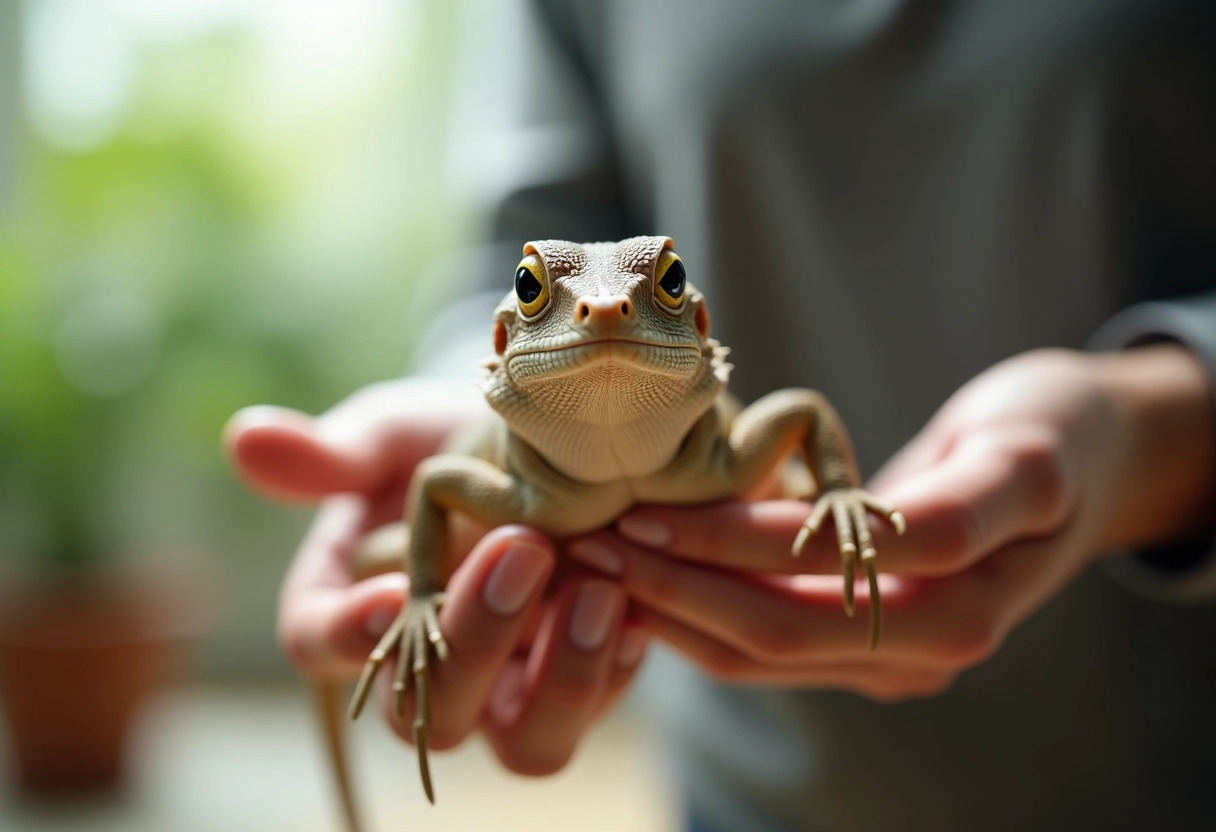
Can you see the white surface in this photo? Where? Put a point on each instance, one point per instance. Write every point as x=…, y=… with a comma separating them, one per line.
x=235, y=760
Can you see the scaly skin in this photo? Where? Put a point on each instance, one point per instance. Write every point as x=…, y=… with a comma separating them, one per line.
x=608, y=393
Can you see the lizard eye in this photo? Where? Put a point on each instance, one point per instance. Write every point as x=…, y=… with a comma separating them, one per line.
x=670, y=280
x=531, y=287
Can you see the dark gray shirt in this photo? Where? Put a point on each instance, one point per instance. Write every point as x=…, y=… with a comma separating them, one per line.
x=905, y=193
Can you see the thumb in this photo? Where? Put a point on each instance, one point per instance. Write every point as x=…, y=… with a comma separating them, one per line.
x=369, y=441
x=282, y=453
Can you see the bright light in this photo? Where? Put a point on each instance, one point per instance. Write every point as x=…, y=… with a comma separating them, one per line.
x=78, y=71
x=81, y=55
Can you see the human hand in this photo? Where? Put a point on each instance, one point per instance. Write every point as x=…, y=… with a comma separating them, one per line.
x=531, y=671
x=1019, y=481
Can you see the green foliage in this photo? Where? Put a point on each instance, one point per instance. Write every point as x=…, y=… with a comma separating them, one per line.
x=186, y=267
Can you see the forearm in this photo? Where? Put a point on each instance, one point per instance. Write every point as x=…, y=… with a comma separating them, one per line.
x=1167, y=486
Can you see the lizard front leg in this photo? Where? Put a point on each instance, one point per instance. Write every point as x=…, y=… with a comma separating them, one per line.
x=441, y=484
x=787, y=419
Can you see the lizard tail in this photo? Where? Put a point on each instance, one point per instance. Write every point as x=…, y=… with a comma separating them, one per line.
x=329, y=707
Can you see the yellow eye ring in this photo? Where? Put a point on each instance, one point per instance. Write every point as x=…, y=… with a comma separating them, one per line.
x=670, y=280
x=531, y=286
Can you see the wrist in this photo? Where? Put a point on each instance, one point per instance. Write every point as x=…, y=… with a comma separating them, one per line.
x=1167, y=482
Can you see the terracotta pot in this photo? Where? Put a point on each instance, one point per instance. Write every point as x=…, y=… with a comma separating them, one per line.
x=76, y=665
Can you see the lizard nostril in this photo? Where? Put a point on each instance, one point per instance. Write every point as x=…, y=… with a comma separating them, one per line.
x=603, y=311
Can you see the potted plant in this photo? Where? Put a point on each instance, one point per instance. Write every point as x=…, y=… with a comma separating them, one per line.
x=179, y=262
x=85, y=637
x=89, y=405
x=125, y=344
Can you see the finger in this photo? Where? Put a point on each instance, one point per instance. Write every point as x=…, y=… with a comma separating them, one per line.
x=630, y=653
x=736, y=534
x=375, y=436
x=788, y=621
x=328, y=625
x=994, y=488
x=490, y=599
x=883, y=680
x=536, y=728
x=990, y=491
x=1030, y=572
x=279, y=452
x=752, y=536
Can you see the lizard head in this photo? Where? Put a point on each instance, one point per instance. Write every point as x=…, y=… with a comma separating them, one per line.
x=607, y=312
x=603, y=360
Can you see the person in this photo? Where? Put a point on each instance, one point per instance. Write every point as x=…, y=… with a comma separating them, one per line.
x=1008, y=208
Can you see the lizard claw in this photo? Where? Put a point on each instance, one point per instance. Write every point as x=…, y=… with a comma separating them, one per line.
x=894, y=516
x=433, y=633
x=810, y=527
x=422, y=726
x=414, y=633
x=372, y=666
x=848, y=508
x=848, y=565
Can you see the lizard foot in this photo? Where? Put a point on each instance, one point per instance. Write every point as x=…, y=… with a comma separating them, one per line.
x=413, y=634
x=848, y=507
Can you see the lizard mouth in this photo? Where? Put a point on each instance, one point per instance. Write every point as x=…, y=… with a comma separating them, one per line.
x=549, y=361
x=604, y=342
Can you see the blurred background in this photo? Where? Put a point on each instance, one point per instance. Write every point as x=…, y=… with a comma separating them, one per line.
x=206, y=204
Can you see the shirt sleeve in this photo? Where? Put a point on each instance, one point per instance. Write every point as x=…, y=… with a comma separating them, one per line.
x=1182, y=570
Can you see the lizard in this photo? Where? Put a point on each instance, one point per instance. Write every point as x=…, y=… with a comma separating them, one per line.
x=606, y=390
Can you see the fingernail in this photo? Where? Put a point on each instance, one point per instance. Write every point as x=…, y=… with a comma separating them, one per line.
x=597, y=555
x=595, y=609
x=377, y=620
x=650, y=532
x=516, y=576
x=631, y=647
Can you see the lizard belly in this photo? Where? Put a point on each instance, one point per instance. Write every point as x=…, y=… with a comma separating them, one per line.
x=576, y=509
x=687, y=488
